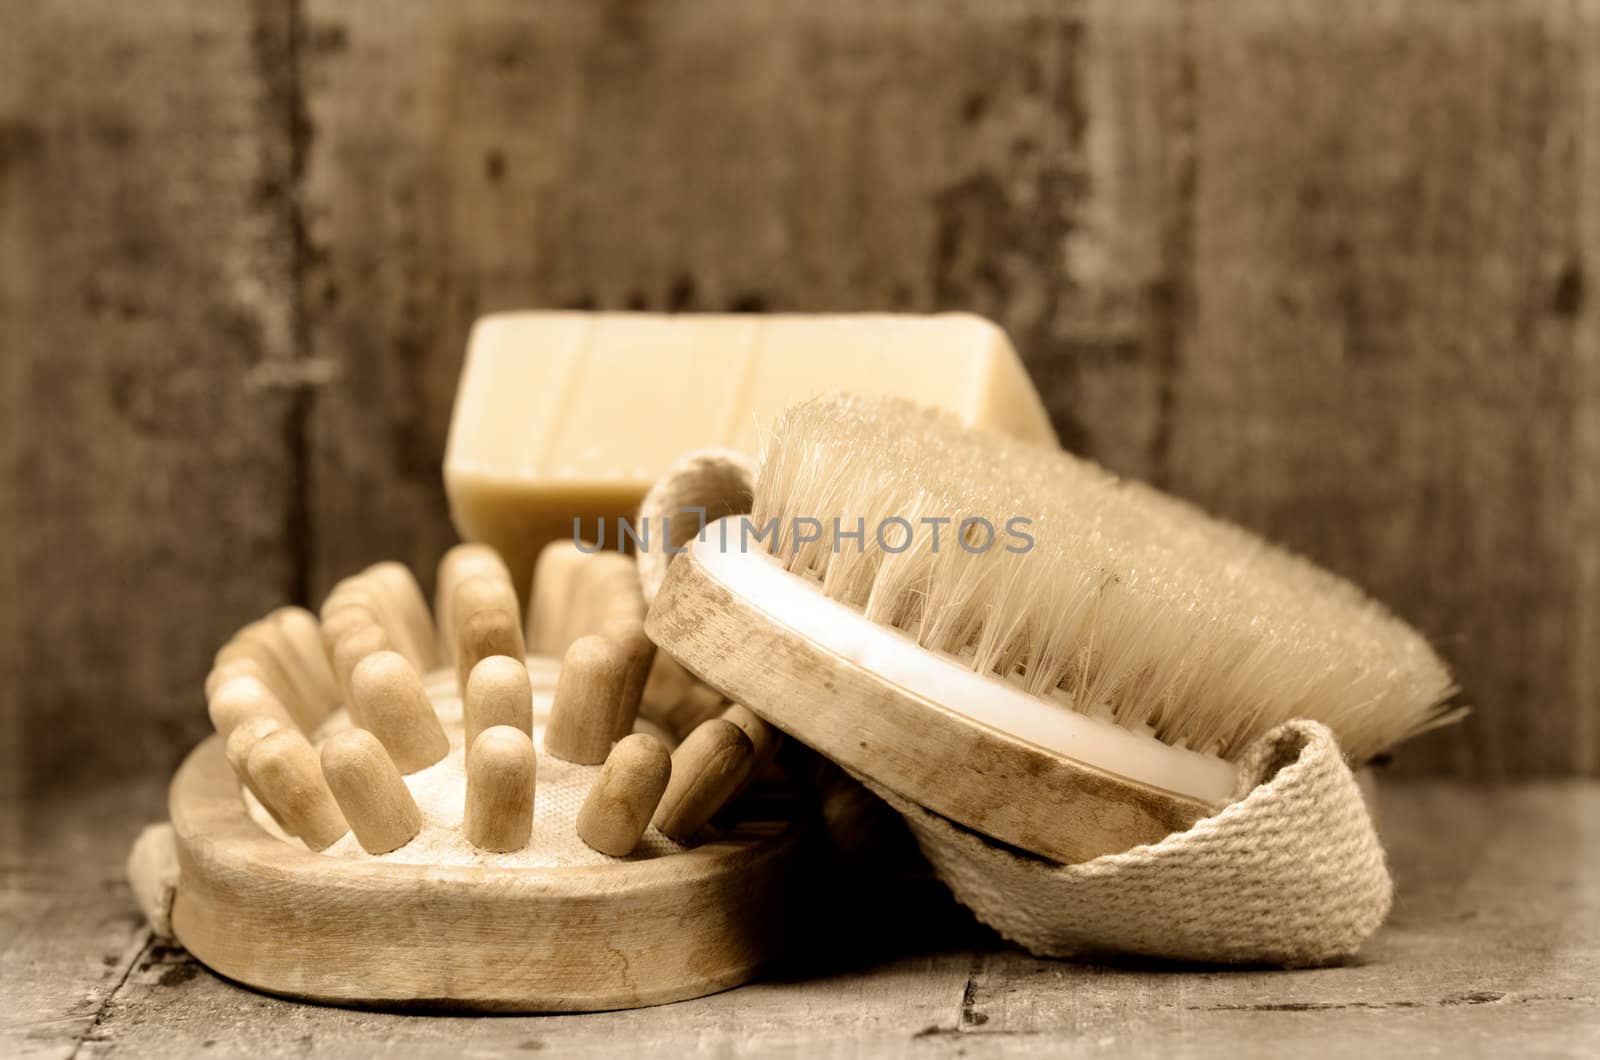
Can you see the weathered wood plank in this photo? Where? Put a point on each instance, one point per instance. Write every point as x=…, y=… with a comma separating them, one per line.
x=1467, y=958
x=69, y=933
x=1494, y=947
x=690, y=156
x=1584, y=478
x=1388, y=362
x=15, y=281
x=1324, y=274
x=147, y=277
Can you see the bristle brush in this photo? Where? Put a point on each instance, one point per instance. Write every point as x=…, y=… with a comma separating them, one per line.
x=1017, y=639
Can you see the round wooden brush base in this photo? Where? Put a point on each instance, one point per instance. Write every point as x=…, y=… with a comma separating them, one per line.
x=988, y=780
x=288, y=921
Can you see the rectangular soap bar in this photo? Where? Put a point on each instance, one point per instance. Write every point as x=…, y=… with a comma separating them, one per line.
x=570, y=414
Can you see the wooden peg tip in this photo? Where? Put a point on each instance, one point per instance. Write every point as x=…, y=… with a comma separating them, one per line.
x=288, y=778
x=388, y=697
x=619, y=806
x=588, y=698
x=501, y=774
x=708, y=769
x=639, y=651
x=370, y=791
x=499, y=692
x=241, y=697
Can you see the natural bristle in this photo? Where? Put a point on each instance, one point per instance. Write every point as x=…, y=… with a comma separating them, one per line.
x=1100, y=592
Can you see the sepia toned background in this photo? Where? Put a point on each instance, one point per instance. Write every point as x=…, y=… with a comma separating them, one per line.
x=1336, y=277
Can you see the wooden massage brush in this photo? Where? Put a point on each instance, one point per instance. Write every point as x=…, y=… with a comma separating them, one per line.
x=1074, y=669
x=503, y=815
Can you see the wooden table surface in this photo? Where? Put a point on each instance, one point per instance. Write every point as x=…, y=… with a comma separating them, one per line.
x=1493, y=949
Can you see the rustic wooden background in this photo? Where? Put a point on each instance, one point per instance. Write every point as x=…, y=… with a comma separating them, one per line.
x=1328, y=269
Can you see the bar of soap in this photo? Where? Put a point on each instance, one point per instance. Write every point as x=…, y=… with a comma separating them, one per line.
x=569, y=414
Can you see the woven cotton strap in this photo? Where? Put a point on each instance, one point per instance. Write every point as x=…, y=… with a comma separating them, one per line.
x=1289, y=873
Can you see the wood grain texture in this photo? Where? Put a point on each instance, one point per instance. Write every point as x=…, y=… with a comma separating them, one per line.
x=476, y=937
x=1493, y=949
x=17, y=286
x=680, y=156
x=1384, y=360
x=978, y=776
x=147, y=291
x=1323, y=272
x=1326, y=270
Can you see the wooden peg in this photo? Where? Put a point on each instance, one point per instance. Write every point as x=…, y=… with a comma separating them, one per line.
x=340, y=620
x=294, y=688
x=288, y=779
x=501, y=773
x=486, y=622
x=606, y=587
x=392, y=704
x=763, y=737
x=456, y=566
x=499, y=692
x=700, y=703
x=240, y=666
x=675, y=700
x=639, y=652
x=354, y=646
x=357, y=588
x=588, y=697
x=370, y=791
x=708, y=769
x=366, y=594
x=410, y=609
x=622, y=602
x=620, y=804
x=240, y=698
x=665, y=687
x=237, y=750
x=242, y=740
x=301, y=635
x=247, y=646
x=554, y=579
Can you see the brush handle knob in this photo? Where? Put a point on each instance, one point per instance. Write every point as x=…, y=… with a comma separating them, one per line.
x=618, y=808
